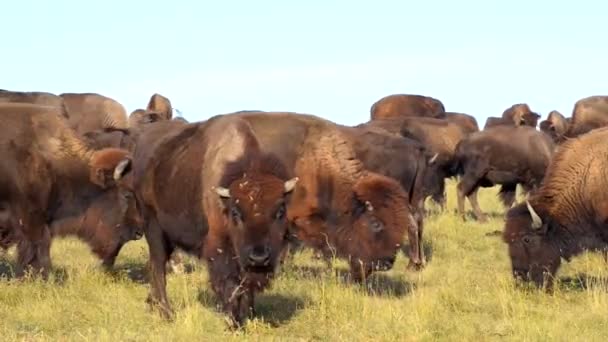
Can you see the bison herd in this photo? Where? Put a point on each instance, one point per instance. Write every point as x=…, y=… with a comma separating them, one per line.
x=241, y=190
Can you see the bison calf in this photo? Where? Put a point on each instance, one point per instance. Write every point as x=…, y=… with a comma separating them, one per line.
x=208, y=189
x=567, y=214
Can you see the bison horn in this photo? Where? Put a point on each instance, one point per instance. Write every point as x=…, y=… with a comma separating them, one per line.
x=369, y=206
x=291, y=184
x=536, y=220
x=121, y=168
x=223, y=192
x=432, y=160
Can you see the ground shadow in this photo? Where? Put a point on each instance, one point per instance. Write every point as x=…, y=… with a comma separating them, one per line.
x=135, y=271
x=58, y=275
x=275, y=309
x=583, y=281
x=378, y=284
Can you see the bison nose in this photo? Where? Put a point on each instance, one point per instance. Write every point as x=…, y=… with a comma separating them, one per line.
x=259, y=255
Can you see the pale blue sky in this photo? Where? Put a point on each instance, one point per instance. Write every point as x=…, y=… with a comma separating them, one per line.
x=329, y=58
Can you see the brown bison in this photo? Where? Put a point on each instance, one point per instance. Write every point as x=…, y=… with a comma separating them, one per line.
x=566, y=216
x=339, y=207
x=555, y=126
x=403, y=105
x=505, y=155
x=226, y=203
x=521, y=115
x=162, y=105
x=589, y=113
x=493, y=121
x=34, y=97
x=88, y=112
x=467, y=122
x=50, y=178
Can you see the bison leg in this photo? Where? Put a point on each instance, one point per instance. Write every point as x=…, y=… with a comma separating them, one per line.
x=439, y=196
x=34, y=250
x=236, y=298
x=416, y=252
x=507, y=194
x=160, y=250
x=109, y=258
x=479, y=215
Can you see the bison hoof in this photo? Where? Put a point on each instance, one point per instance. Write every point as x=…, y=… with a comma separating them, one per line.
x=163, y=308
x=482, y=218
x=415, y=266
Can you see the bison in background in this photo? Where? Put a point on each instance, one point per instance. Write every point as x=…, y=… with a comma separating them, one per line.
x=588, y=113
x=555, y=126
x=89, y=112
x=50, y=177
x=566, y=216
x=517, y=115
x=467, y=122
x=34, y=97
x=226, y=203
x=404, y=105
x=162, y=105
x=505, y=155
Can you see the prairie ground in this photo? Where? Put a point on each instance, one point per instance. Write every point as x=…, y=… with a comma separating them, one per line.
x=466, y=293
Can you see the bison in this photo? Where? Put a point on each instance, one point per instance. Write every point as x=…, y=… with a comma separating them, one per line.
x=566, y=216
x=521, y=115
x=340, y=207
x=588, y=113
x=505, y=155
x=493, y=121
x=403, y=105
x=161, y=105
x=89, y=112
x=555, y=126
x=467, y=122
x=49, y=177
x=34, y=97
x=226, y=202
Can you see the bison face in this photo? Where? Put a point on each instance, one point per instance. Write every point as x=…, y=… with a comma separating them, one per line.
x=255, y=211
x=379, y=218
x=534, y=256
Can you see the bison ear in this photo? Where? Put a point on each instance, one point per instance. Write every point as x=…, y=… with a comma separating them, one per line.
x=359, y=207
x=102, y=177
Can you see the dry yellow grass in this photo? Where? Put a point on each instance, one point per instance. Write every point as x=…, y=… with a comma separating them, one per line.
x=465, y=294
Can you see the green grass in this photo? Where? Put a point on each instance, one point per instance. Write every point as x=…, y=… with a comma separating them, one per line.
x=466, y=293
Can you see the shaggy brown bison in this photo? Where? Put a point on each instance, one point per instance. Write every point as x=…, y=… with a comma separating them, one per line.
x=49, y=177
x=589, y=113
x=403, y=105
x=467, y=122
x=339, y=207
x=505, y=155
x=493, y=121
x=226, y=203
x=567, y=214
x=89, y=111
x=34, y=97
x=555, y=126
x=162, y=105
x=521, y=115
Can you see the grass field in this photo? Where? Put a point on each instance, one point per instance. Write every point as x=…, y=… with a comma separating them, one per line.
x=466, y=293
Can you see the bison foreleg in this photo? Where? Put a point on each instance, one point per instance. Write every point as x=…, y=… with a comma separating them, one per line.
x=233, y=292
x=34, y=250
x=481, y=217
x=159, y=254
x=416, y=252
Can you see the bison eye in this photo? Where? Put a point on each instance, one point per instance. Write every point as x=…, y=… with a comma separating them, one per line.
x=235, y=213
x=526, y=240
x=376, y=226
x=280, y=214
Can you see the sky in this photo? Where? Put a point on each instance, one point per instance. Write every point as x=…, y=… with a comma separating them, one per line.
x=333, y=59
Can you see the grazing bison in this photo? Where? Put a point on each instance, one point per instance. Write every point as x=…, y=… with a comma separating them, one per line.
x=521, y=115
x=467, y=122
x=505, y=155
x=89, y=112
x=339, y=207
x=589, y=113
x=403, y=105
x=161, y=105
x=50, y=178
x=555, y=126
x=226, y=203
x=34, y=97
x=567, y=214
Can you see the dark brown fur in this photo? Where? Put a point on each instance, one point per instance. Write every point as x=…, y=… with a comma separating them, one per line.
x=226, y=231
x=588, y=113
x=555, y=126
x=329, y=197
x=521, y=114
x=505, y=155
x=404, y=105
x=467, y=122
x=572, y=204
x=51, y=178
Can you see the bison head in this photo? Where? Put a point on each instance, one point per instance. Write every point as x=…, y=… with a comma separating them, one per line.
x=254, y=208
x=116, y=207
x=534, y=255
x=555, y=126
